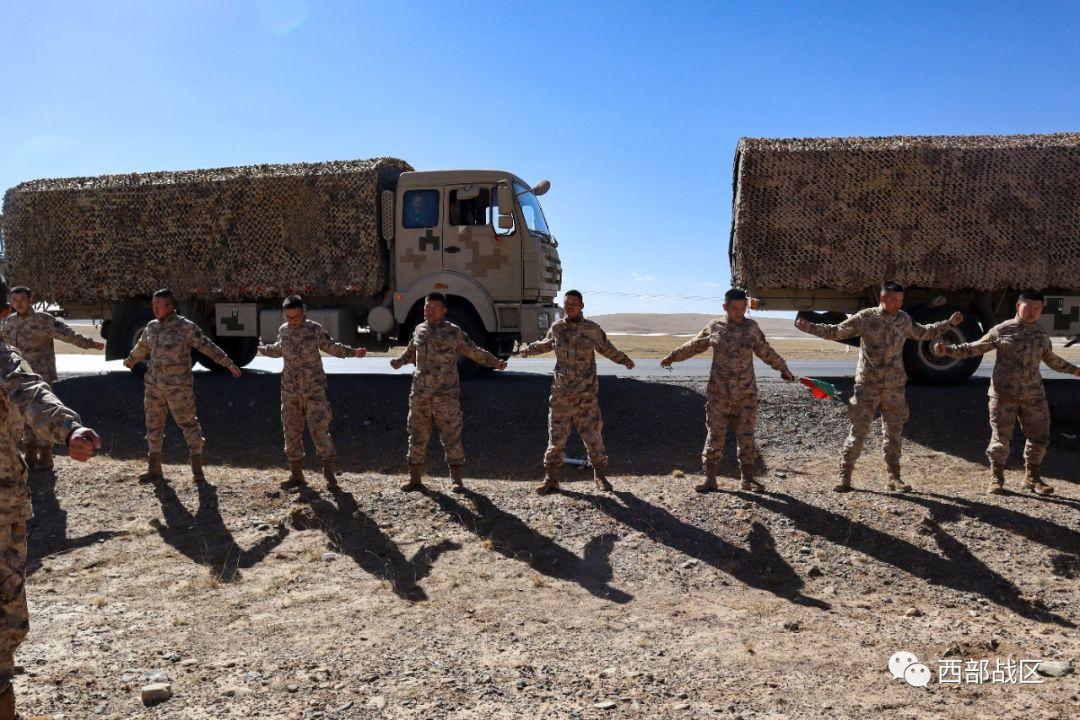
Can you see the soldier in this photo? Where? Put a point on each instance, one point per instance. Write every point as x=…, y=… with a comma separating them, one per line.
x=732, y=389
x=303, y=388
x=33, y=332
x=880, y=379
x=434, y=348
x=1016, y=389
x=26, y=400
x=574, y=401
x=167, y=343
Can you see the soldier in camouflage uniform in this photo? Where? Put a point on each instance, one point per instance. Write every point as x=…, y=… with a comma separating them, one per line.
x=880, y=379
x=1016, y=389
x=434, y=348
x=732, y=390
x=166, y=344
x=33, y=332
x=574, y=401
x=303, y=388
x=25, y=401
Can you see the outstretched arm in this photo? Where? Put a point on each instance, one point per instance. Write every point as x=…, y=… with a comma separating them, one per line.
x=612, y=353
x=852, y=327
x=687, y=350
x=477, y=354
x=60, y=330
x=138, y=353
x=967, y=350
x=539, y=347
x=765, y=351
x=207, y=347
x=328, y=346
x=1056, y=362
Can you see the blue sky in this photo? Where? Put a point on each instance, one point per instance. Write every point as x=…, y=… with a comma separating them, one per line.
x=631, y=109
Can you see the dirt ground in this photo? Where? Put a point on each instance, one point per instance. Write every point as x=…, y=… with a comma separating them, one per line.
x=654, y=601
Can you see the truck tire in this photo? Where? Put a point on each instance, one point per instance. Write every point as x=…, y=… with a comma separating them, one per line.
x=925, y=367
x=241, y=350
x=466, y=320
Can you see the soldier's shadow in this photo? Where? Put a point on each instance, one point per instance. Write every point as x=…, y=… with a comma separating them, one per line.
x=49, y=527
x=353, y=533
x=204, y=538
x=514, y=539
x=759, y=567
x=959, y=569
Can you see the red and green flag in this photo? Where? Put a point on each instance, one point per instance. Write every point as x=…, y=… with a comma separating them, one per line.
x=819, y=388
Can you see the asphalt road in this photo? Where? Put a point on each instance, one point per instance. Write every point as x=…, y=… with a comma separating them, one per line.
x=76, y=365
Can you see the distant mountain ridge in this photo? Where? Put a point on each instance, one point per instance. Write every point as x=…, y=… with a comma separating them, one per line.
x=681, y=324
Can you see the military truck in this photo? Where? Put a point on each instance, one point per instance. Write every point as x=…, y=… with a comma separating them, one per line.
x=363, y=241
x=964, y=222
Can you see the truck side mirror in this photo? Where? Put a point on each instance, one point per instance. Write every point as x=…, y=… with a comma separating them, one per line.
x=506, y=207
x=506, y=222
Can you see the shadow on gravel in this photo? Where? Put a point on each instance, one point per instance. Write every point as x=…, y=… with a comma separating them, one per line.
x=48, y=528
x=353, y=533
x=514, y=539
x=203, y=536
x=959, y=569
x=759, y=567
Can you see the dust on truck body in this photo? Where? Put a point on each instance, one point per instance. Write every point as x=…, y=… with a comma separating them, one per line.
x=964, y=222
x=363, y=241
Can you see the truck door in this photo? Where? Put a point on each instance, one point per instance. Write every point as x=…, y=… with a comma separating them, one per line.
x=420, y=238
x=475, y=246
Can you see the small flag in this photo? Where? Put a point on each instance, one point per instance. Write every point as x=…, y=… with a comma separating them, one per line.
x=820, y=388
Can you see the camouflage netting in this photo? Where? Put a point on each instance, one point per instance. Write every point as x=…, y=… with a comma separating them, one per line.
x=247, y=232
x=979, y=212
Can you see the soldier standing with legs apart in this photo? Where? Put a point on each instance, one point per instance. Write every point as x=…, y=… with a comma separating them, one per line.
x=880, y=379
x=303, y=388
x=435, y=346
x=575, y=401
x=32, y=332
x=1016, y=389
x=732, y=389
x=166, y=345
x=25, y=401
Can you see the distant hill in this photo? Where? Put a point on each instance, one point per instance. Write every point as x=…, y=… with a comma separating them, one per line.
x=681, y=324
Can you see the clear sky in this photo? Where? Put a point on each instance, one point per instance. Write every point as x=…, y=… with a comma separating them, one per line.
x=631, y=109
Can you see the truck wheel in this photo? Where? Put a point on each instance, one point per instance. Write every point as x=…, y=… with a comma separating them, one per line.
x=925, y=367
x=130, y=333
x=241, y=350
x=472, y=327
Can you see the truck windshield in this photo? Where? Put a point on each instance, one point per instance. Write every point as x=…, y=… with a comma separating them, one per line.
x=530, y=208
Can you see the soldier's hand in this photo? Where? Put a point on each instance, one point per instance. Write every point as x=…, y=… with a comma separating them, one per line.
x=361, y=352
x=956, y=319
x=803, y=324
x=788, y=377
x=666, y=363
x=501, y=365
x=82, y=443
x=98, y=346
x=629, y=364
x=262, y=349
x=1076, y=372
x=938, y=348
x=396, y=364
x=235, y=371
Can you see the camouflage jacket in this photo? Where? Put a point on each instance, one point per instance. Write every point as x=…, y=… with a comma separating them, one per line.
x=734, y=346
x=435, y=348
x=303, y=363
x=33, y=334
x=166, y=345
x=1020, y=348
x=575, y=343
x=26, y=400
x=881, y=351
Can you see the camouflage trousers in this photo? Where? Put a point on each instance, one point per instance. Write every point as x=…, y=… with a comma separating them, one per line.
x=444, y=413
x=863, y=407
x=14, y=616
x=1034, y=416
x=570, y=411
x=159, y=401
x=740, y=414
x=309, y=408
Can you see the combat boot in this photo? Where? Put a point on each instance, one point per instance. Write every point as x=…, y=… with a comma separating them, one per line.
x=296, y=476
x=749, y=484
x=415, y=478
x=456, y=485
x=843, y=483
x=895, y=484
x=153, y=468
x=600, y=478
x=7, y=703
x=997, y=479
x=1034, y=483
x=551, y=480
x=45, y=458
x=31, y=455
x=197, y=467
x=328, y=473
x=709, y=485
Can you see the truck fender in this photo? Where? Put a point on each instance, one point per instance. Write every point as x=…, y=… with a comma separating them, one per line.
x=448, y=283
